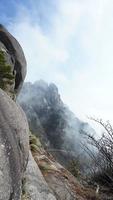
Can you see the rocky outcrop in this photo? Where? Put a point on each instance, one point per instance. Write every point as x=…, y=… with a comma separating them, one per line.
x=25, y=175
x=53, y=122
x=16, y=161
x=14, y=130
x=14, y=58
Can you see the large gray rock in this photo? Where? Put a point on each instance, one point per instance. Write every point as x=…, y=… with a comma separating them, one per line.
x=35, y=186
x=14, y=147
x=14, y=56
x=14, y=130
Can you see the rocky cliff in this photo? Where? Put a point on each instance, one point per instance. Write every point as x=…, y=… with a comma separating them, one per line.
x=27, y=170
x=51, y=120
x=14, y=131
x=16, y=161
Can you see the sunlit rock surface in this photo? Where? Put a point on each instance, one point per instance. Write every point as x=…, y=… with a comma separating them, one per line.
x=35, y=185
x=14, y=147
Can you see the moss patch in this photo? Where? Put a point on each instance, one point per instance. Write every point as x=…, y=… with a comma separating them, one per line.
x=24, y=196
x=6, y=76
x=35, y=144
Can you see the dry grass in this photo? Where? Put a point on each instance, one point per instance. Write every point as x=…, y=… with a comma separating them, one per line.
x=25, y=197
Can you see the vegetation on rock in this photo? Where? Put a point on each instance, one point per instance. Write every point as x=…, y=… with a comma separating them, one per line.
x=24, y=196
x=6, y=75
x=102, y=157
x=74, y=167
x=34, y=143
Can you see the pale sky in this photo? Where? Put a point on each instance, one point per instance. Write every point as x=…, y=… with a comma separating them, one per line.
x=70, y=43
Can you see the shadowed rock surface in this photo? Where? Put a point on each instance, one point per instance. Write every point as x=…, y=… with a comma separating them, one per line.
x=14, y=56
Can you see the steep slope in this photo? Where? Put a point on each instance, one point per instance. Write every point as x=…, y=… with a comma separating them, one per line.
x=14, y=131
x=62, y=183
x=58, y=128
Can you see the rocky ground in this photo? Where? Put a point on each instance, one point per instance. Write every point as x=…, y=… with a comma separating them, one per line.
x=62, y=183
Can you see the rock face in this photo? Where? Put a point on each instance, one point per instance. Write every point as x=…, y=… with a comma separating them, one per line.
x=20, y=176
x=52, y=121
x=14, y=147
x=35, y=185
x=15, y=155
x=14, y=57
x=14, y=130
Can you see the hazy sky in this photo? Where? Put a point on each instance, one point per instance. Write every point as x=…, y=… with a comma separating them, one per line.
x=70, y=43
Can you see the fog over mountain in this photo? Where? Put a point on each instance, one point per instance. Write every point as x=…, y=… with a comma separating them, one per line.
x=50, y=119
